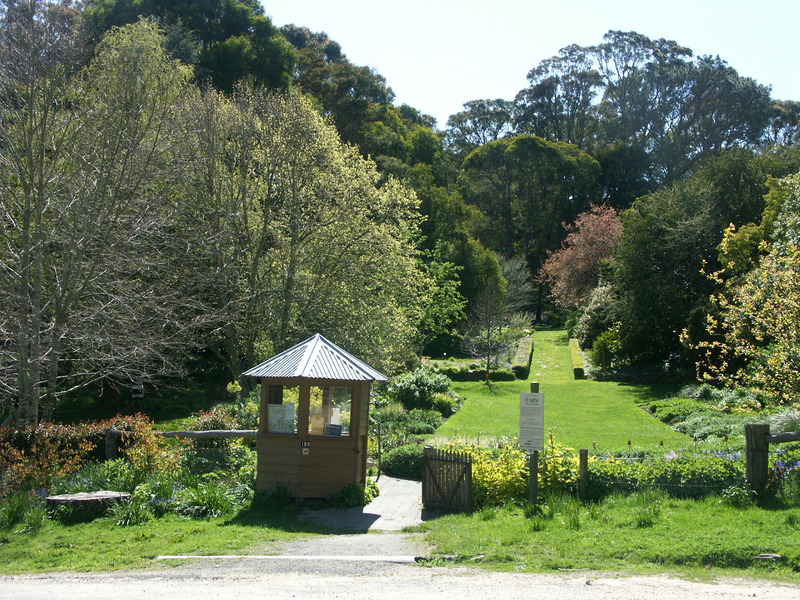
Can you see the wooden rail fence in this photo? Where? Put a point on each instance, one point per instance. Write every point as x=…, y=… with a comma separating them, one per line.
x=757, y=440
x=113, y=436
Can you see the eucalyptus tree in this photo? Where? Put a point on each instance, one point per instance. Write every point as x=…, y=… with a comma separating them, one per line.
x=85, y=162
x=558, y=104
x=648, y=94
x=481, y=122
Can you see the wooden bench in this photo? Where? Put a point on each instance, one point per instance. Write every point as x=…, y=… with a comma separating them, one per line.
x=89, y=502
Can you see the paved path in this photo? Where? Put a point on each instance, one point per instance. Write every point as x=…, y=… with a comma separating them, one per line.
x=399, y=505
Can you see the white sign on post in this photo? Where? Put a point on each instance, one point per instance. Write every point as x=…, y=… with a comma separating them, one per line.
x=531, y=422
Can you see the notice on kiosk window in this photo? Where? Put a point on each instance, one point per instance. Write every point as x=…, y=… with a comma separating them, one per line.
x=531, y=422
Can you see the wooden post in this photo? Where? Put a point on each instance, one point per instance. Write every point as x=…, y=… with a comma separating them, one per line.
x=757, y=453
x=111, y=443
x=533, y=462
x=533, y=465
x=583, y=474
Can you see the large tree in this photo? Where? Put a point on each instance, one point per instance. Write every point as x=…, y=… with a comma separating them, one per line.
x=648, y=94
x=299, y=237
x=226, y=40
x=527, y=187
x=481, y=122
x=86, y=165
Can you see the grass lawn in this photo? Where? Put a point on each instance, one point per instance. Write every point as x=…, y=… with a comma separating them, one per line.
x=641, y=533
x=102, y=545
x=582, y=413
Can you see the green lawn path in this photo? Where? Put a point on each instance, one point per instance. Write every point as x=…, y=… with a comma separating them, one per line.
x=601, y=415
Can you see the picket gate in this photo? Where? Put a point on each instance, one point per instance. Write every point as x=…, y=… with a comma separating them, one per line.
x=446, y=480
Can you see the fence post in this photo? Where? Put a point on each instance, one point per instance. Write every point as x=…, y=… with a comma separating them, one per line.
x=583, y=474
x=757, y=454
x=533, y=462
x=111, y=444
x=533, y=467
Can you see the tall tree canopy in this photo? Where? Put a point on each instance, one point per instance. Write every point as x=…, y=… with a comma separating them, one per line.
x=88, y=165
x=649, y=94
x=299, y=237
x=526, y=188
x=226, y=40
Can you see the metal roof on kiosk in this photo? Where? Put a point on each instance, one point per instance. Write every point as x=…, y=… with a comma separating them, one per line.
x=316, y=358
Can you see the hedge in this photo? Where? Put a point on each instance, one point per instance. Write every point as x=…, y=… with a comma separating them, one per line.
x=576, y=356
x=404, y=461
x=463, y=373
x=521, y=365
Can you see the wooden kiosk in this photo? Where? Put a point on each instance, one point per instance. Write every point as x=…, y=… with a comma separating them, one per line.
x=313, y=420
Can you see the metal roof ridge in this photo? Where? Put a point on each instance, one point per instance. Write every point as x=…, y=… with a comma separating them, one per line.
x=313, y=346
x=311, y=356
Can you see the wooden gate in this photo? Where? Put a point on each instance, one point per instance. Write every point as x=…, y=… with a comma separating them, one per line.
x=446, y=480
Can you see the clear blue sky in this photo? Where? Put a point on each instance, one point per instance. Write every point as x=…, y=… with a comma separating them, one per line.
x=438, y=54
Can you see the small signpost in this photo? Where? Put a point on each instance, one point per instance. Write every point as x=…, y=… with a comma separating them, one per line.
x=531, y=433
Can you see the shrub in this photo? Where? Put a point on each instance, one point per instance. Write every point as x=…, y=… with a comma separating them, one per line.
x=202, y=460
x=206, y=500
x=446, y=405
x=576, y=356
x=521, y=364
x=217, y=418
x=47, y=460
x=117, y=475
x=404, y=461
x=738, y=496
x=419, y=428
x=148, y=453
x=388, y=413
x=431, y=417
x=475, y=373
x=606, y=348
x=133, y=511
x=681, y=476
x=499, y=475
x=351, y=496
x=417, y=388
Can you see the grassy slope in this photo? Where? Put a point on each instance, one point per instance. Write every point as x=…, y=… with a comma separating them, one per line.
x=582, y=413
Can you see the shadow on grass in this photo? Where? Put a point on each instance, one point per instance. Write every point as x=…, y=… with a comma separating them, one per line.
x=647, y=392
x=279, y=513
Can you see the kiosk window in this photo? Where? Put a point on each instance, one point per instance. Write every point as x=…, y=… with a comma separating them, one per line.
x=282, y=409
x=330, y=411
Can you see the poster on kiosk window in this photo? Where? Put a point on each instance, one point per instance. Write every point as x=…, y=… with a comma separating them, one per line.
x=531, y=422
